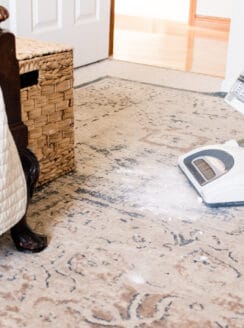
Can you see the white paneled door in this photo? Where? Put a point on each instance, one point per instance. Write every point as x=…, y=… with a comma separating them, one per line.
x=83, y=24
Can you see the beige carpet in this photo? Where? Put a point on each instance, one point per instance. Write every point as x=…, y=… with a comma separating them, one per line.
x=131, y=245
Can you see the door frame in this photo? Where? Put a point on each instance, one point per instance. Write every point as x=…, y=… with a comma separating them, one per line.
x=211, y=22
x=111, y=31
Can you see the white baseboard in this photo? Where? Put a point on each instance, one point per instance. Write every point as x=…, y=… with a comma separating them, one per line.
x=227, y=84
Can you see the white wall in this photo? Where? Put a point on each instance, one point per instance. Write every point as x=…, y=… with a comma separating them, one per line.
x=235, y=57
x=176, y=10
x=215, y=8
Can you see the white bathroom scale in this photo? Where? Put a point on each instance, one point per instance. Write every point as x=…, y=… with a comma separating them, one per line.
x=217, y=173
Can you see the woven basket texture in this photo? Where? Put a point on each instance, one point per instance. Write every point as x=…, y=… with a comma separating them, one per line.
x=47, y=110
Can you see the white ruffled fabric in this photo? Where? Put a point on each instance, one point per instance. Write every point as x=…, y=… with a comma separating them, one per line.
x=13, y=191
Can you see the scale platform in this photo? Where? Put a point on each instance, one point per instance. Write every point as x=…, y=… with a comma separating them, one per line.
x=217, y=173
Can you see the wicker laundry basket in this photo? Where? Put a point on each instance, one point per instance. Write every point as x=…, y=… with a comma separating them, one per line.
x=47, y=104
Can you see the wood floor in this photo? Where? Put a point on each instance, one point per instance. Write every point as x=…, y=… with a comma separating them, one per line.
x=170, y=44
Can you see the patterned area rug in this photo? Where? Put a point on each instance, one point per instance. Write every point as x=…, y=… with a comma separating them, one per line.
x=131, y=245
